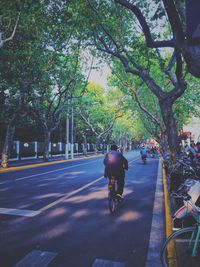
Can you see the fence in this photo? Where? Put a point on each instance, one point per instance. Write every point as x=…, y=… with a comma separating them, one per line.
x=31, y=150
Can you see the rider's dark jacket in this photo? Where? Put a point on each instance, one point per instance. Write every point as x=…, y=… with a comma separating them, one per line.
x=115, y=164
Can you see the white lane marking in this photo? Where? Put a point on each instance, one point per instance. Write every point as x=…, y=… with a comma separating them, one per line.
x=70, y=194
x=33, y=213
x=133, y=160
x=36, y=258
x=57, y=170
x=69, y=167
x=73, y=193
x=18, y=212
x=157, y=226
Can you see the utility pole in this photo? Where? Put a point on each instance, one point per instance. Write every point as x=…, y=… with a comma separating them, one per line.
x=72, y=133
x=85, y=143
x=67, y=135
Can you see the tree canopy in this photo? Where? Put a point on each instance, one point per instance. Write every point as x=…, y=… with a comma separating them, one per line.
x=154, y=60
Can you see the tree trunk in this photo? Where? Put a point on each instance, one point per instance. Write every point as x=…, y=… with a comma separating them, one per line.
x=96, y=144
x=170, y=124
x=164, y=145
x=8, y=139
x=192, y=58
x=47, y=137
x=7, y=144
x=84, y=144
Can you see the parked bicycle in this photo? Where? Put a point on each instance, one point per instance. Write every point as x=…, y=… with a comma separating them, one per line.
x=181, y=171
x=183, y=246
x=114, y=201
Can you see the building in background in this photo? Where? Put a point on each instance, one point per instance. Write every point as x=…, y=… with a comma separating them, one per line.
x=194, y=128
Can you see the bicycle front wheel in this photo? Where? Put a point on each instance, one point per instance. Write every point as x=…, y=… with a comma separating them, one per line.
x=177, y=249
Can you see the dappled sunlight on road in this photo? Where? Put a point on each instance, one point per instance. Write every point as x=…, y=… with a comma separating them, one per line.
x=72, y=217
x=54, y=232
x=141, y=181
x=128, y=216
x=71, y=175
x=90, y=196
x=57, y=212
x=80, y=213
x=127, y=191
x=104, y=211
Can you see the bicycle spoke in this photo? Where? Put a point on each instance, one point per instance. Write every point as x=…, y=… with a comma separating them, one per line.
x=177, y=250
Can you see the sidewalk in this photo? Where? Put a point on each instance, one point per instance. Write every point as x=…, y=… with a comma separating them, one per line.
x=162, y=227
x=39, y=161
x=157, y=234
x=180, y=254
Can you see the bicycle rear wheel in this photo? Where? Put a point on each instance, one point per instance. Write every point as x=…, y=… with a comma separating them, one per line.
x=177, y=249
x=113, y=205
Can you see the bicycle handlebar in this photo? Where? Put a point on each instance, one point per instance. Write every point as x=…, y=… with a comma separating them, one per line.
x=185, y=196
x=195, y=210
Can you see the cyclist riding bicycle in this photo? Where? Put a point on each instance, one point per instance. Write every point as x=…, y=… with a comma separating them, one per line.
x=143, y=152
x=115, y=165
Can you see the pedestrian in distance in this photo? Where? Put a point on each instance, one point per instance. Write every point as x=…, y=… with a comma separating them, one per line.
x=115, y=165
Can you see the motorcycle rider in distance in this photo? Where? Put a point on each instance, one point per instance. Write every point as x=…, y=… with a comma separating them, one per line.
x=115, y=165
x=143, y=153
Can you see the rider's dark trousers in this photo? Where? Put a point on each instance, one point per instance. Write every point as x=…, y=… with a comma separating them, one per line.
x=120, y=184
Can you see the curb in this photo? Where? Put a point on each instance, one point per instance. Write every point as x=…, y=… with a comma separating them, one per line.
x=171, y=251
x=45, y=164
x=157, y=233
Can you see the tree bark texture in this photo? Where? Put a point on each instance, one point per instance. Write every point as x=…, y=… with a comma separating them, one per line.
x=170, y=123
x=8, y=139
x=47, y=137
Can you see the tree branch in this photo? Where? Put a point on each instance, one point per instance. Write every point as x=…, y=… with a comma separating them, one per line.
x=2, y=42
x=168, y=69
x=149, y=115
x=149, y=40
x=174, y=19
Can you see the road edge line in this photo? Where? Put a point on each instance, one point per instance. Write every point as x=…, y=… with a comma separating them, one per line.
x=168, y=224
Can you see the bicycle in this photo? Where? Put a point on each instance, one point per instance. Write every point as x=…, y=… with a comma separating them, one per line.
x=144, y=159
x=113, y=200
x=183, y=246
x=180, y=172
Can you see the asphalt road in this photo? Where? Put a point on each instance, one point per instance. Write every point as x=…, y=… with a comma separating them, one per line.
x=57, y=215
